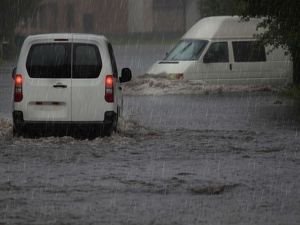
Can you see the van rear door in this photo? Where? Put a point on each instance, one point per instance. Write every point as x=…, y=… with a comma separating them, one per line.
x=88, y=81
x=47, y=88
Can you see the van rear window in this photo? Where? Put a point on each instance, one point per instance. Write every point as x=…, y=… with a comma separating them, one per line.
x=54, y=61
x=87, y=63
x=49, y=61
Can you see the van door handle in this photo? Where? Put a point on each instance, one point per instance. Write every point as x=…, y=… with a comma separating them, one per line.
x=230, y=66
x=60, y=85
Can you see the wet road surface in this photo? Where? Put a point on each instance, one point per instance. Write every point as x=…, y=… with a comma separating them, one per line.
x=225, y=158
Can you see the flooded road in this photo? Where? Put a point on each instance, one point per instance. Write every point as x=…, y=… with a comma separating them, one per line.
x=212, y=158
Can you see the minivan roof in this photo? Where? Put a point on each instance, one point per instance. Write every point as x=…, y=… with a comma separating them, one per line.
x=223, y=27
x=62, y=36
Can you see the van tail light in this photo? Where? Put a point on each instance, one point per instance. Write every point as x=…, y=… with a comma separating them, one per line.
x=18, y=93
x=109, y=88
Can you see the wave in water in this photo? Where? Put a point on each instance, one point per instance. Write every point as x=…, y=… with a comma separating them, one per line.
x=165, y=85
x=127, y=130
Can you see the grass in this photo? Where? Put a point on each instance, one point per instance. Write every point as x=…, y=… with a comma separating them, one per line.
x=292, y=92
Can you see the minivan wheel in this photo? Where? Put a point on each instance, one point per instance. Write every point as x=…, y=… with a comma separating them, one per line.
x=115, y=124
x=17, y=132
x=107, y=130
x=110, y=124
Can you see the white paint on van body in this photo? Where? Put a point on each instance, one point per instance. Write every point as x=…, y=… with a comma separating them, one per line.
x=41, y=90
x=223, y=27
x=276, y=70
x=82, y=100
x=88, y=103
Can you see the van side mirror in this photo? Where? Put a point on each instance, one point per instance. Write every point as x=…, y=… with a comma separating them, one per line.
x=126, y=75
x=13, y=73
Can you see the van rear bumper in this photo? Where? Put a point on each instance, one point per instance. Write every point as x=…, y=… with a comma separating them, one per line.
x=65, y=128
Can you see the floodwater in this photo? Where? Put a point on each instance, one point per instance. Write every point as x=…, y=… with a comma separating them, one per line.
x=216, y=156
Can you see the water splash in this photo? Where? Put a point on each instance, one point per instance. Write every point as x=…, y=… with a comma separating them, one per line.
x=5, y=128
x=170, y=85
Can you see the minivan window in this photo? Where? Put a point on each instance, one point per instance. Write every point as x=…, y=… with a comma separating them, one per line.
x=87, y=63
x=187, y=50
x=248, y=51
x=217, y=53
x=49, y=61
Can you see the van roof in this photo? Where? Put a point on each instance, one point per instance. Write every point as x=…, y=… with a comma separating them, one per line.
x=223, y=27
x=53, y=36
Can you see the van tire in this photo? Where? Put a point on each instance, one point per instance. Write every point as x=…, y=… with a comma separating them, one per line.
x=115, y=123
x=107, y=130
x=17, y=132
x=110, y=126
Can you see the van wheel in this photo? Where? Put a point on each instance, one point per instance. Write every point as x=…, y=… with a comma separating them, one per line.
x=107, y=130
x=115, y=124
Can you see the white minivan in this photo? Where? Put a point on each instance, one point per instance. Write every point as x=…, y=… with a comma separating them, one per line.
x=224, y=50
x=67, y=80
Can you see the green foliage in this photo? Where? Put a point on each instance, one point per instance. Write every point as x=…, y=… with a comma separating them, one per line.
x=281, y=18
x=282, y=21
x=293, y=92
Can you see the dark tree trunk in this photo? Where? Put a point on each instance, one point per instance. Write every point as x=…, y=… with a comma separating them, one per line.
x=296, y=67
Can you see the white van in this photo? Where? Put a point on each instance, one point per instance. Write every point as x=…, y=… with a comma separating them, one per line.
x=223, y=50
x=66, y=80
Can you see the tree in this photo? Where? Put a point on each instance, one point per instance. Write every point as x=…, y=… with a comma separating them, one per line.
x=11, y=13
x=282, y=22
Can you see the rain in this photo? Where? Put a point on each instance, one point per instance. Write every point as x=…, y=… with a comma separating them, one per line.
x=185, y=151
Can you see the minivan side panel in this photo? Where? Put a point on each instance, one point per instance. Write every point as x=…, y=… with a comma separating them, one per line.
x=118, y=108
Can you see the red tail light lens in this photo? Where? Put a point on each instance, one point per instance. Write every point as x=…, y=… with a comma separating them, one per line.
x=18, y=96
x=109, y=88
